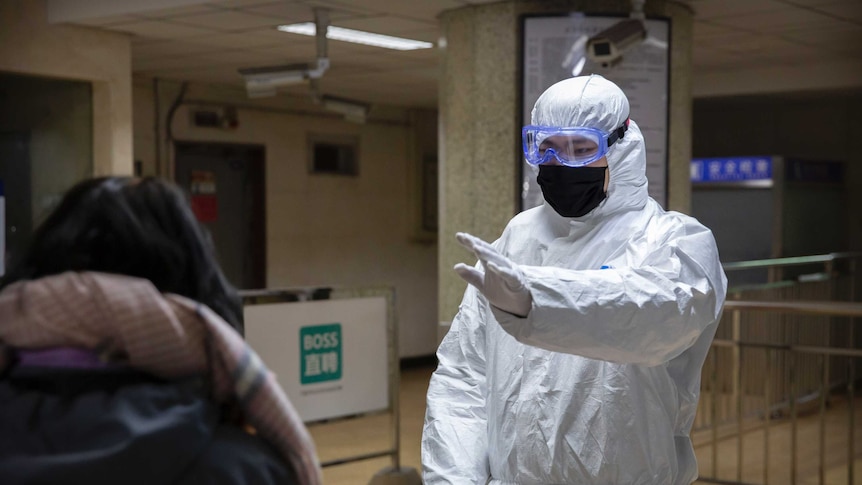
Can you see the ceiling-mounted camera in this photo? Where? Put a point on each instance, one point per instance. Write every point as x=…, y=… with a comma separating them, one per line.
x=264, y=81
x=607, y=47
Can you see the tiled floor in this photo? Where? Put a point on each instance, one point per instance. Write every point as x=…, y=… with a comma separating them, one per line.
x=836, y=426
x=369, y=434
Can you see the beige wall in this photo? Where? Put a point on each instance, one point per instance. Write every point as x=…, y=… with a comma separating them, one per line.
x=29, y=45
x=324, y=230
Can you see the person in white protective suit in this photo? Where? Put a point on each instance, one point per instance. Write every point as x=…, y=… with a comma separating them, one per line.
x=576, y=353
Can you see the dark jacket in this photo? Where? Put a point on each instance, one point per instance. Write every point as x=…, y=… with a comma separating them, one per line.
x=117, y=426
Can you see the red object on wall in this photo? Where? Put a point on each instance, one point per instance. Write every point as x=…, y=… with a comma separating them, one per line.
x=205, y=207
x=203, y=195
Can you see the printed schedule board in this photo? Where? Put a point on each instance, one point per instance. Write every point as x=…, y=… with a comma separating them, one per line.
x=330, y=356
x=553, y=48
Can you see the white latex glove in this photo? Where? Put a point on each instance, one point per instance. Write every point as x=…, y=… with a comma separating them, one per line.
x=502, y=282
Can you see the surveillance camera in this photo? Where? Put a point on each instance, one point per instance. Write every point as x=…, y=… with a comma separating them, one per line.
x=607, y=47
x=263, y=81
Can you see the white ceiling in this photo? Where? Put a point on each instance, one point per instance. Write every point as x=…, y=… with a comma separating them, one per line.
x=200, y=40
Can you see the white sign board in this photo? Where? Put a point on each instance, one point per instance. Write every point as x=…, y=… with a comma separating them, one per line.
x=553, y=47
x=330, y=356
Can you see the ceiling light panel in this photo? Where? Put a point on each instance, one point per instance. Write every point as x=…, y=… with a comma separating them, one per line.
x=358, y=37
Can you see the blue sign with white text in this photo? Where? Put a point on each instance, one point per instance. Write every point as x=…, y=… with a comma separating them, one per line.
x=732, y=169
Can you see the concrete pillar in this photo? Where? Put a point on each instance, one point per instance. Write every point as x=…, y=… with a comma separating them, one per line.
x=479, y=125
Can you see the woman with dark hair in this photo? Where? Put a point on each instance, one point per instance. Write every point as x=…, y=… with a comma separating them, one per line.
x=120, y=360
x=135, y=227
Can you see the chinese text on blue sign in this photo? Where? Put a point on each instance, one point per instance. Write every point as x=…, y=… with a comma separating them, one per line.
x=732, y=169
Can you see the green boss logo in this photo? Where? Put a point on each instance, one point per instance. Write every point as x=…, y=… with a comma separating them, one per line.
x=320, y=353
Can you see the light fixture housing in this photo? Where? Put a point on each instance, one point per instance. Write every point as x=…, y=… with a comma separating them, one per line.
x=576, y=58
x=264, y=81
x=355, y=111
x=358, y=37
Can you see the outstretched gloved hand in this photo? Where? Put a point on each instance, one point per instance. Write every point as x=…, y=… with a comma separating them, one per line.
x=501, y=282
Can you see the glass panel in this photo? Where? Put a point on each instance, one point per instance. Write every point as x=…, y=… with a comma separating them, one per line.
x=46, y=146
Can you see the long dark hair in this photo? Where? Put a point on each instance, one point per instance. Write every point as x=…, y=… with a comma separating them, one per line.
x=134, y=227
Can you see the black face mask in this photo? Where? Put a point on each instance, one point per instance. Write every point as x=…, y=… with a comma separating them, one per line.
x=572, y=192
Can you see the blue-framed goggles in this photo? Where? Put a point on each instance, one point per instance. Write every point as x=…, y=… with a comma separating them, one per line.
x=571, y=146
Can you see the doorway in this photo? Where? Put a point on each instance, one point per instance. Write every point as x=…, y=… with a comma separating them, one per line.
x=226, y=186
x=46, y=146
x=16, y=187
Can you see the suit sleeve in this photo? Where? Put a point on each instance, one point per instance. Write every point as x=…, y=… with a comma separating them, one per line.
x=646, y=314
x=455, y=437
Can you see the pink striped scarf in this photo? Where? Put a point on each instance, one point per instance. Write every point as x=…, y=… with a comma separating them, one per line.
x=166, y=335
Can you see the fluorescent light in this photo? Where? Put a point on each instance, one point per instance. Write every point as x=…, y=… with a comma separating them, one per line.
x=354, y=111
x=358, y=37
x=576, y=58
x=576, y=70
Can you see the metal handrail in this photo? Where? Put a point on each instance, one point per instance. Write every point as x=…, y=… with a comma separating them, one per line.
x=837, y=309
x=852, y=310
x=790, y=261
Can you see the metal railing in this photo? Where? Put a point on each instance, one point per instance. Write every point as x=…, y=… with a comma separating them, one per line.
x=785, y=355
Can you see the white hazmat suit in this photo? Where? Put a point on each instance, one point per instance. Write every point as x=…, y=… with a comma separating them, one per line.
x=599, y=383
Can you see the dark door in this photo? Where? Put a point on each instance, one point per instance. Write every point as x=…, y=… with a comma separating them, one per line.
x=225, y=183
x=16, y=188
